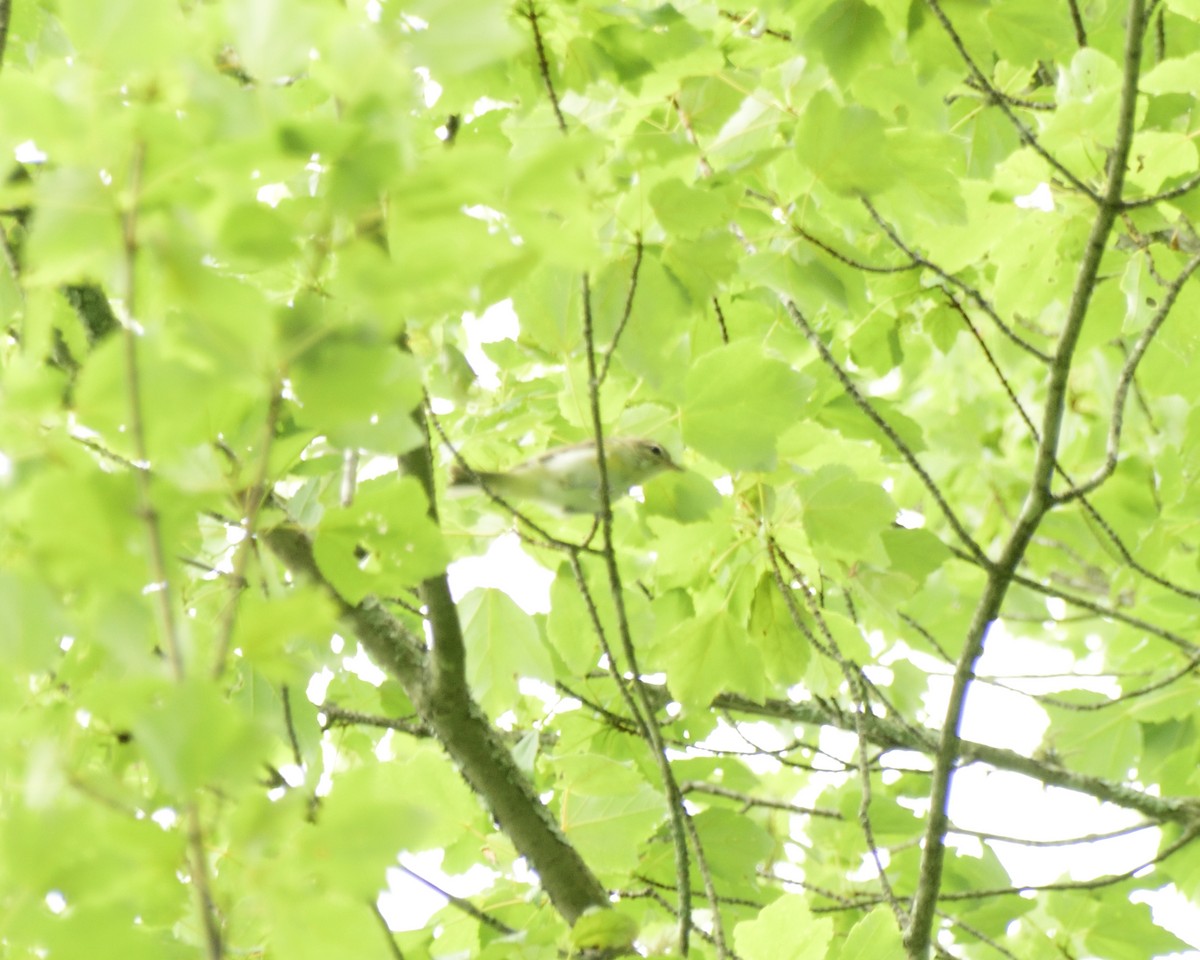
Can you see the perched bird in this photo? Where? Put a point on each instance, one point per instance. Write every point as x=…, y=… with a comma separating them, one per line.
x=569, y=477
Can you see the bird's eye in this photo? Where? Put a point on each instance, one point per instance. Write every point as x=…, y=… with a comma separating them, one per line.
x=657, y=450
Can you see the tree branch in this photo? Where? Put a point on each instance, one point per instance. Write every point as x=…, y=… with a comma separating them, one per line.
x=900, y=446
x=1023, y=131
x=1038, y=499
x=675, y=807
x=892, y=735
x=1125, y=381
x=466, y=734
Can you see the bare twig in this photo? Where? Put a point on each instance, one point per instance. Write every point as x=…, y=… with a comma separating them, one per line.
x=1125, y=381
x=720, y=319
x=5, y=19
x=1022, y=130
x=531, y=14
x=1188, y=185
x=1063, y=842
x=198, y=858
x=254, y=496
x=893, y=437
x=1038, y=499
x=161, y=587
x=633, y=280
x=862, y=707
x=461, y=903
x=675, y=806
x=748, y=800
x=1077, y=22
x=754, y=29
x=975, y=296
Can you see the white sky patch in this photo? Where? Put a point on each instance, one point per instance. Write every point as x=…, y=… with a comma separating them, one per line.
x=29, y=152
x=887, y=384
x=165, y=817
x=431, y=90
x=498, y=322
x=504, y=567
x=407, y=904
x=273, y=194
x=1006, y=803
x=1039, y=199
x=532, y=687
x=1171, y=909
x=318, y=685
x=361, y=666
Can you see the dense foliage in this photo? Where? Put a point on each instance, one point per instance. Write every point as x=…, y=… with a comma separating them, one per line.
x=907, y=287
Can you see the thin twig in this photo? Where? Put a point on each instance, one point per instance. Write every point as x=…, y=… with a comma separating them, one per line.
x=161, y=587
x=1125, y=380
x=1038, y=500
x=531, y=14
x=1022, y=131
x=913, y=263
x=893, y=437
x=1077, y=22
x=198, y=858
x=973, y=293
x=702, y=786
x=1096, y=883
x=862, y=707
x=675, y=806
x=633, y=281
x=461, y=903
x=393, y=946
x=5, y=18
x=720, y=319
x=977, y=934
x=1064, y=842
x=744, y=19
x=335, y=714
x=285, y=695
x=255, y=495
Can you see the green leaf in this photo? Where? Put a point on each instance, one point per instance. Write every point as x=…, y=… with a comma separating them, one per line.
x=1027, y=31
x=844, y=146
x=35, y=622
x=784, y=649
x=689, y=211
x=77, y=234
x=125, y=35
x=360, y=395
x=849, y=35
x=846, y=516
x=875, y=935
x=277, y=634
x=607, y=810
x=388, y=519
x=503, y=645
x=737, y=401
x=784, y=930
x=603, y=929
x=710, y=654
x=1173, y=75
x=191, y=737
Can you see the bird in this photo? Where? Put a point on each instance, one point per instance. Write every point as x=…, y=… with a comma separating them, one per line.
x=568, y=478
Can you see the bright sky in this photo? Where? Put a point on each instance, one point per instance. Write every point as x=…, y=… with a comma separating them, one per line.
x=983, y=799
